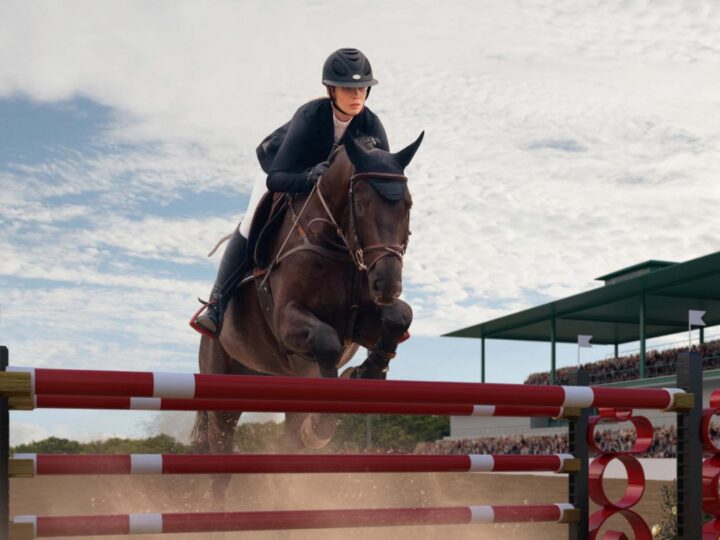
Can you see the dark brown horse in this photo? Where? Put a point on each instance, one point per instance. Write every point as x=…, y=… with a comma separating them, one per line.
x=335, y=279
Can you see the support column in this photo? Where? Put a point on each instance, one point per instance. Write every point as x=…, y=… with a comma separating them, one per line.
x=578, y=447
x=482, y=359
x=553, y=337
x=702, y=335
x=617, y=351
x=689, y=449
x=4, y=453
x=642, y=335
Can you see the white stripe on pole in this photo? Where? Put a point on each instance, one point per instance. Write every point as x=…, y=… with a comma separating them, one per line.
x=671, y=393
x=27, y=519
x=482, y=514
x=483, y=410
x=146, y=523
x=145, y=403
x=174, y=385
x=578, y=396
x=146, y=464
x=28, y=456
x=563, y=459
x=481, y=462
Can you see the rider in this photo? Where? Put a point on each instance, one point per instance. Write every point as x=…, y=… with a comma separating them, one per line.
x=295, y=157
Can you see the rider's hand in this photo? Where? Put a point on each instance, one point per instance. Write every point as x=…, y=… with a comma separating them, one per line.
x=314, y=174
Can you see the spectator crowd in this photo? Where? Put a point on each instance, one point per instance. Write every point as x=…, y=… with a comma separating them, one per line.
x=625, y=368
x=664, y=444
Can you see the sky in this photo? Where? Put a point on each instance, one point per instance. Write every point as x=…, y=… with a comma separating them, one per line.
x=563, y=141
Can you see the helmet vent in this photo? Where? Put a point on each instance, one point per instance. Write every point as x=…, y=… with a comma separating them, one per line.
x=339, y=68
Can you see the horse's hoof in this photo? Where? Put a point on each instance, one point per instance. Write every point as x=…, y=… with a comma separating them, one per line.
x=317, y=431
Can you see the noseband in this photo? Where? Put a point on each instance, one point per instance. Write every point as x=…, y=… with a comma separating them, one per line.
x=355, y=249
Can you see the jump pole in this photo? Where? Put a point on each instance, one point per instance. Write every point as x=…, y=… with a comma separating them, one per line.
x=46, y=526
x=28, y=465
x=189, y=385
x=258, y=405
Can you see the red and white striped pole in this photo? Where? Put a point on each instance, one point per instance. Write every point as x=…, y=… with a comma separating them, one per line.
x=257, y=405
x=49, y=526
x=59, y=464
x=188, y=385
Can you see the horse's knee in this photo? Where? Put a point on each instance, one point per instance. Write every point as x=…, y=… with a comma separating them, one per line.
x=397, y=319
x=325, y=345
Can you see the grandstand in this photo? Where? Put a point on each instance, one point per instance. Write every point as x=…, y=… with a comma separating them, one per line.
x=637, y=303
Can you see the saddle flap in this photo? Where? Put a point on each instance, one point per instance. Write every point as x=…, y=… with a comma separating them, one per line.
x=266, y=221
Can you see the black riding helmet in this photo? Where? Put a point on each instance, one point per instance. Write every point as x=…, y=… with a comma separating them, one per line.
x=349, y=68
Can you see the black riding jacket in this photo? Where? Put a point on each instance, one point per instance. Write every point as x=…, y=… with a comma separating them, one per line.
x=309, y=140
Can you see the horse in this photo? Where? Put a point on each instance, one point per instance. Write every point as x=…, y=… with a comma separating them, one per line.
x=333, y=285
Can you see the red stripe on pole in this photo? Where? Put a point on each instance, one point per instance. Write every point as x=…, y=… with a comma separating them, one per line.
x=515, y=514
x=78, y=382
x=314, y=519
x=519, y=463
x=51, y=464
x=49, y=526
x=291, y=463
x=632, y=398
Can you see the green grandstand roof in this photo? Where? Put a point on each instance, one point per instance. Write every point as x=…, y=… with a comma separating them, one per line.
x=611, y=313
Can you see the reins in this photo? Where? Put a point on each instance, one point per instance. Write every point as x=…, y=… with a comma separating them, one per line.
x=355, y=250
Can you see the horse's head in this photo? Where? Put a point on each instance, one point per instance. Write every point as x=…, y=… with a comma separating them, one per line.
x=379, y=215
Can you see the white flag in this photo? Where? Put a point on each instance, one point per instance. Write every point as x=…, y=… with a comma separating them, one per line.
x=584, y=341
x=696, y=317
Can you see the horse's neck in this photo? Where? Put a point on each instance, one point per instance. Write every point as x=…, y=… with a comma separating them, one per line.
x=335, y=191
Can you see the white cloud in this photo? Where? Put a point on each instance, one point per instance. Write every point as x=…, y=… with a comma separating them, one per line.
x=562, y=142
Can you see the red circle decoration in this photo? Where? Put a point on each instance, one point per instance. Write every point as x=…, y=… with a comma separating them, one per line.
x=598, y=519
x=635, y=481
x=710, y=480
x=711, y=530
x=643, y=431
x=708, y=444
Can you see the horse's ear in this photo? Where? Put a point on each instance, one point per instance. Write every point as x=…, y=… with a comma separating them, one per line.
x=357, y=154
x=404, y=156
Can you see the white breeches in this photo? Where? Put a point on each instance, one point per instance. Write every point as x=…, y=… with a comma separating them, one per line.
x=259, y=189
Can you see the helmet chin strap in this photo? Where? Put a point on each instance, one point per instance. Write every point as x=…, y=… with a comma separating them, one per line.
x=335, y=106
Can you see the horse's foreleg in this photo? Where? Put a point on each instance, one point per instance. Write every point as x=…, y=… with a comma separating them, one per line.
x=300, y=331
x=394, y=322
x=221, y=429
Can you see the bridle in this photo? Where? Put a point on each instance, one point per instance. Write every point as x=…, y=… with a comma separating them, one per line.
x=355, y=248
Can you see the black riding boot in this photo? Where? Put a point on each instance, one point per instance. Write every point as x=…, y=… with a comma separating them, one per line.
x=231, y=270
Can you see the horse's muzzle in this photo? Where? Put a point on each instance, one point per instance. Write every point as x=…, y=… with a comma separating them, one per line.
x=384, y=292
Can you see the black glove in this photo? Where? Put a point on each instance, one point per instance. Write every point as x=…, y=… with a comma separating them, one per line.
x=315, y=173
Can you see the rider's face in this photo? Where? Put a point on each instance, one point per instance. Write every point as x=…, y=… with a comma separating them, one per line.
x=350, y=100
